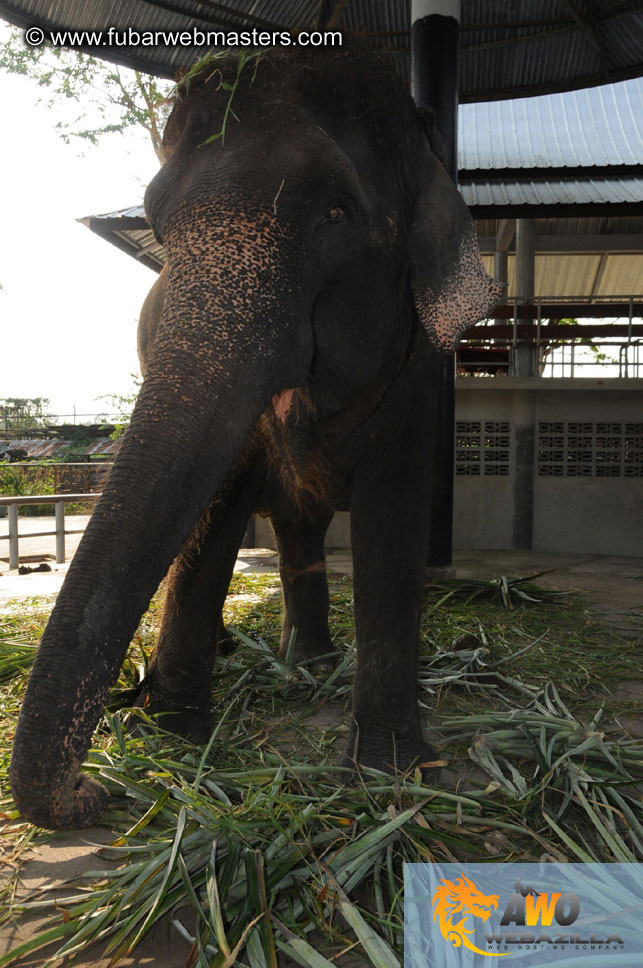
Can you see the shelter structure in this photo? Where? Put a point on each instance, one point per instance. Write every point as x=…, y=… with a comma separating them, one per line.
x=534, y=456
x=453, y=53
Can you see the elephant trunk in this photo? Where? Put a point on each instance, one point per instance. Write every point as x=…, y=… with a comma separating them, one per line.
x=224, y=347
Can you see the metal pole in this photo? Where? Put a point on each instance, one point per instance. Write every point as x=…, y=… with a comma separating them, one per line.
x=539, y=367
x=525, y=287
x=501, y=274
x=60, y=531
x=13, y=537
x=514, y=341
x=435, y=44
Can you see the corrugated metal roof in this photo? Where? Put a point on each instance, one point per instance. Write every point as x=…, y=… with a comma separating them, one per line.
x=576, y=228
x=590, y=191
x=597, y=126
x=564, y=276
x=507, y=49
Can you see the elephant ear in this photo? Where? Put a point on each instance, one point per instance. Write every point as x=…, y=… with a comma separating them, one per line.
x=451, y=289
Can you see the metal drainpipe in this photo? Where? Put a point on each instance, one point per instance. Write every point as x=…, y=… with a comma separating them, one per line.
x=435, y=44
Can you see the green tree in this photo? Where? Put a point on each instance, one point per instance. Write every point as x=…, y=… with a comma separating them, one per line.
x=23, y=413
x=123, y=405
x=599, y=357
x=118, y=97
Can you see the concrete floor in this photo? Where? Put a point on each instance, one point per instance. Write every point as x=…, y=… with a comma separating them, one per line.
x=614, y=586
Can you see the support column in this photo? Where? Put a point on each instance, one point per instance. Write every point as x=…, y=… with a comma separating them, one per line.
x=60, y=531
x=524, y=421
x=525, y=361
x=501, y=268
x=435, y=46
x=504, y=238
x=14, y=560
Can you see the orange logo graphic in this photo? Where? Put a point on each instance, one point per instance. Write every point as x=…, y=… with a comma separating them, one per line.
x=462, y=898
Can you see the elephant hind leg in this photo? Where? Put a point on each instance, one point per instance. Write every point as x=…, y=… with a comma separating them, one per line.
x=178, y=682
x=302, y=567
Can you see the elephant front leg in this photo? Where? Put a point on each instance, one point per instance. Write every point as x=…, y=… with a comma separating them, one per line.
x=302, y=567
x=178, y=682
x=390, y=511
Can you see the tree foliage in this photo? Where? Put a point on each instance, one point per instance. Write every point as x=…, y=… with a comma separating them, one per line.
x=23, y=413
x=116, y=97
x=123, y=404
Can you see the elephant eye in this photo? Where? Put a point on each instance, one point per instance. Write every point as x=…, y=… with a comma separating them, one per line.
x=336, y=214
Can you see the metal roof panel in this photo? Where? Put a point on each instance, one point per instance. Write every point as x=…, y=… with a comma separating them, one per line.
x=610, y=191
x=595, y=126
x=507, y=49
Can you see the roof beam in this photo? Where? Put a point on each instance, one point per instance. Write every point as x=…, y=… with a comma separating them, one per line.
x=505, y=234
x=584, y=17
x=244, y=20
x=558, y=210
x=567, y=244
x=600, y=272
x=329, y=13
x=583, y=173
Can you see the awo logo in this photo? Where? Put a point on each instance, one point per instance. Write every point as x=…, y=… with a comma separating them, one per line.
x=455, y=902
x=462, y=897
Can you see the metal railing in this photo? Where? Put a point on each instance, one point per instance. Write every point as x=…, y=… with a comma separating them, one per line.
x=43, y=420
x=494, y=347
x=59, y=501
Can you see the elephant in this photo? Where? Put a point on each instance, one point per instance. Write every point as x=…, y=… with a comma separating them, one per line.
x=319, y=263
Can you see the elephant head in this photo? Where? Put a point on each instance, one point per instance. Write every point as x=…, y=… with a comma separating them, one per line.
x=312, y=236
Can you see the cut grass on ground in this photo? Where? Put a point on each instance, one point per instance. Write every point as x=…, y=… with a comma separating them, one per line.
x=256, y=834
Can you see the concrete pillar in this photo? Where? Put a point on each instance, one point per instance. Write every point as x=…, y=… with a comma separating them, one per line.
x=14, y=560
x=501, y=274
x=525, y=360
x=435, y=45
x=501, y=266
x=524, y=421
x=60, y=531
x=524, y=445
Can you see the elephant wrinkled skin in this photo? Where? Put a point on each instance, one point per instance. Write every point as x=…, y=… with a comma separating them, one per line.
x=319, y=260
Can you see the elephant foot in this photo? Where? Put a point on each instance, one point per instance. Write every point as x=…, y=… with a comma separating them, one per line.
x=312, y=648
x=226, y=642
x=64, y=808
x=188, y=719
x=390, y=751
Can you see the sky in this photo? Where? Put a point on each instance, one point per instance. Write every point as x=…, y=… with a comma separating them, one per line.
x=70, y=301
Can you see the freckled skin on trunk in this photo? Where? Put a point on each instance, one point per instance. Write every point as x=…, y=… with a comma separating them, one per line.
x=316, y=265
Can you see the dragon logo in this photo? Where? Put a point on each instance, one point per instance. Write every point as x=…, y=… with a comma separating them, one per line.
x=464, y=898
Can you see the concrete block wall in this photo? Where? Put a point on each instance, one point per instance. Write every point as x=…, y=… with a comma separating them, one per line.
x=543, y=464
x=571, y=476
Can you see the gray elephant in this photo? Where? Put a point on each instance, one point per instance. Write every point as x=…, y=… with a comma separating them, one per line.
x=319, y=259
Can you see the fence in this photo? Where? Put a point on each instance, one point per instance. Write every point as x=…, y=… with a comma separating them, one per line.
x=38, y=476
x=59, y=501
x=531, y=328
x=41, y=421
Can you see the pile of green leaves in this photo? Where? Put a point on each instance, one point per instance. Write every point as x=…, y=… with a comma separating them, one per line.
x=253, y=847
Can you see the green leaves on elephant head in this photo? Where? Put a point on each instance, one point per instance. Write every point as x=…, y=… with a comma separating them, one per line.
x=215, y=67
